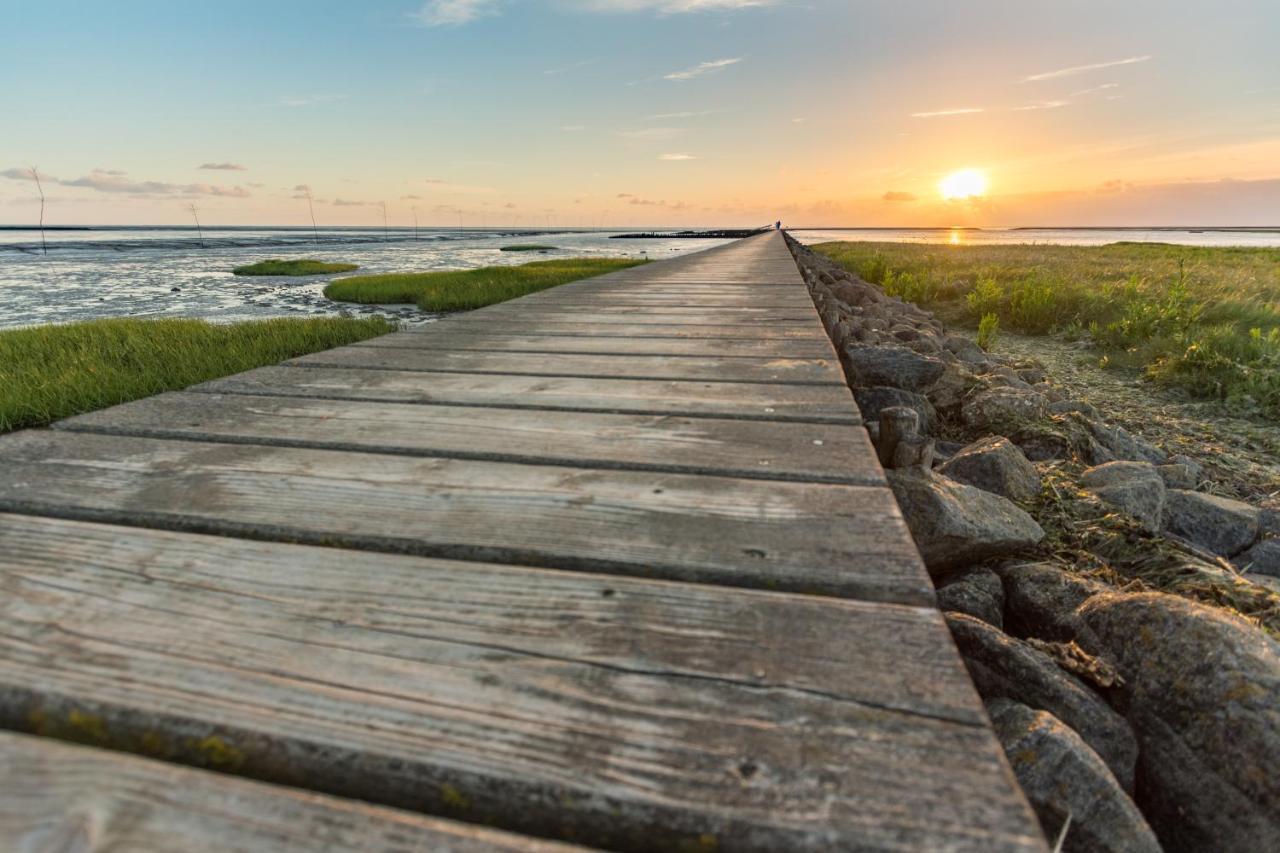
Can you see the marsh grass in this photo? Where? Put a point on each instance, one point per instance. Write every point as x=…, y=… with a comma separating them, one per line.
x=1206, y=319
x=461, y=290
x=52, y=372
x=297, y=266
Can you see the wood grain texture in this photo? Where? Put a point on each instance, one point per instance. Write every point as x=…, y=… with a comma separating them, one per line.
x=815, y=403
x=733, y=448
x=57, y=796
x=834, y=539
x=628, y=714
x=577, y=328
x=442, y=337
x=810, y=371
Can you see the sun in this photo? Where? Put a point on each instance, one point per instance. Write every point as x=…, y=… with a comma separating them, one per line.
x=966, y=183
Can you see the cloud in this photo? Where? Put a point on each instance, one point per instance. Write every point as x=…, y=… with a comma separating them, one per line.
x=688, y=114
x=672, y=7
x=677, y=157
x=567, y=68
x=308, y=100
x=1042, y=105
x=652, y=134
x=410, y=198
x=342, y=202
x=224, y=167
x=510, y=205
x=20, y=173
x=959, y=111
x=702, y=68
x=894, y=195
x=797, y=121
x=1082, y=69
x=451, y=13
x=115, y=181
x=1101, y=88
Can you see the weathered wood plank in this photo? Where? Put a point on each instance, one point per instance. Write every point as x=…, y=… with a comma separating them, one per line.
x=815, y=403
x=731, y=448
x=56, y=796
x=522, y=315
x=690, y=368
x=630, y=714
x=579, y=327
x=840, y=540
x=441, y=337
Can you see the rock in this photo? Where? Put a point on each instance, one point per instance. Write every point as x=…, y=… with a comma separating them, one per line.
x=1269, y=521
x=1197, y=470
x=1061, y=776
x=1123, y=443
x=872, y=401
x=1040, y=600
x=944, y=450
x=1262, y=559
x=1064, y=406
x=975, y=592
x=947, y=394
x=897, y=424
x=956, y=525
x=1270, y=582
x=1032, y=375
x=1203, y=695
x=914, y=452
x=1002, y=666
x=1221, y=525
x=1177, y=476
x=1001, y=409
x=892, y=366
x=1135, y=488
x=995, y=465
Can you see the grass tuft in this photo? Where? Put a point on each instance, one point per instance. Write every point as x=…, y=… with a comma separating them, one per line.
x=55, y=371
x=462, y=290
x=297, y=266
x=1202, y=318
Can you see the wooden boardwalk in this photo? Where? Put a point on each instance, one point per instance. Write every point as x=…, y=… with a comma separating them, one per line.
x=611, y=565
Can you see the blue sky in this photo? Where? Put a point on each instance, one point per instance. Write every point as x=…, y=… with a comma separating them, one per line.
x=623, y=112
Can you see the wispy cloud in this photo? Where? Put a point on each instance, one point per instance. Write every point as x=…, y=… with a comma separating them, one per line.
x=702, y=68
x=1091, y=91
x=958, y=111
x=687, y=114
x=672, y=7
x=1083, y=69
x=652, y=134
x=308, y=100
x=552, y=72
x=116, y=181
x=573, y=128
x=448, y=13
x=224, y=167
x=1042, y=105
x=677, y=157
x=342, y=202
x=895, y=195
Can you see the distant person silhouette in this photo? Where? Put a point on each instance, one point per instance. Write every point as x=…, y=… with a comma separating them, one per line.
x=777, y=226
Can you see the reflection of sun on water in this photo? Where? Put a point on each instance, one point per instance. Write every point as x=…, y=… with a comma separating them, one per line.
x=966, y=183
x=955, y=237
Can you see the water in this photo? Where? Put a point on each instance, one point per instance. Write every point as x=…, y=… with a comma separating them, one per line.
x=1208, y=236
x=132, y=272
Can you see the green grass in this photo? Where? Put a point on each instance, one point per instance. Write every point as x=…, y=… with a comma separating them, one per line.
x=461, y=290
x=1206, y=319
x=52, y=372
x=297, y=266
x=528, y=247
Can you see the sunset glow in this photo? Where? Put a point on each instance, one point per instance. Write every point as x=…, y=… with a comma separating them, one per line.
x=966, y=183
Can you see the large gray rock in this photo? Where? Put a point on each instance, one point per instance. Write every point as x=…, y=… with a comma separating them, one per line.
x=956, y=525
x=994, y=465
x=1062, y=776
x=1203, y=694
x=975, y=592
x=1221, y=525
x=1261, y=559
x=894, y=366
x=1176, y=475
x=948, y=393
x=1004, y=666
x=1040, y=600
x=1124, y=444
x=1135, y=488
x=1001, y=409
x=872, y=401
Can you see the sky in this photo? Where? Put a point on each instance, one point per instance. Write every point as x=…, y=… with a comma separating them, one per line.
x=626, y=113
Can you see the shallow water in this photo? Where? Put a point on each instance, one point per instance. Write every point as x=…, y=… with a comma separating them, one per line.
x=133, y=272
